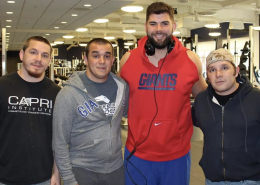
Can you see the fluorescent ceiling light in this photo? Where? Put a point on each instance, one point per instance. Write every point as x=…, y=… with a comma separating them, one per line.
x=10, y=1
x=9, y=12
x=212, y=24
x=68, y=36
x=176, y=32
x=100, y=20
x=128, y=43
x=127, y=47
x=56, y=27
x=129, y=31
x=47, y=34
x=53, y=44
x=114, y=45
x=88, y=5
x=8, y=26
x=182, y=1
x=132, y=8
x=214, y=34
x=8, y=20
x=58, y=42
x=109, y=37
x=63, y=22
x=74, y=15
x=7, y=36
x=83, y=44
x=81, y=29
x=7, y=33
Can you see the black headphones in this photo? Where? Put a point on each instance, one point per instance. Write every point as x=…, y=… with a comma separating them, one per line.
x=150, y=49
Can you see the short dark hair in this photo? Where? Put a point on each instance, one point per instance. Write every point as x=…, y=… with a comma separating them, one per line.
x=159, y=8
x=100, y=41
x=36, y=38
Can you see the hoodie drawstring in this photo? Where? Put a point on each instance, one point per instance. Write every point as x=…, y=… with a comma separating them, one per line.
x=245, y=121
x=211, y=109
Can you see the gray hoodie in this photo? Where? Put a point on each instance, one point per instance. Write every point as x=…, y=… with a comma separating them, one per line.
x=82, y=134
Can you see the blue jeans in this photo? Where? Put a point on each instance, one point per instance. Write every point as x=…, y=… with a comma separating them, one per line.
x=245, y=182
x=48, y=182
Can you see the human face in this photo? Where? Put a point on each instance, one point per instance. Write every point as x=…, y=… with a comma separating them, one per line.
x=222, y=77
x=35, y=60
x=159, y=29
x=99, y=62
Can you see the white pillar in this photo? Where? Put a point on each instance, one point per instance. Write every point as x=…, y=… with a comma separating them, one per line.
x=3, y=51
x=256, y=42
x=251, y=36
x=196, y=43
x=228, y=40
x=51, y=69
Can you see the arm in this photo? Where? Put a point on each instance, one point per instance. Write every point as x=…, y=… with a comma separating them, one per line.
x=122, y=62
x=194, y=120
x=201, y=84
x=55, y=179
x=63, y=116
x=126, y=101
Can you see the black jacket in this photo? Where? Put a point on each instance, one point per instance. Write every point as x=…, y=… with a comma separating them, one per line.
x=231, y=149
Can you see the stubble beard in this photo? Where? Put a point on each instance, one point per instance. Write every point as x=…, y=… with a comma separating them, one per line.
x=35, y=73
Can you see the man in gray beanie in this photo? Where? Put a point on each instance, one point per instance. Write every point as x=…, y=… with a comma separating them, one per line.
x=228, y=113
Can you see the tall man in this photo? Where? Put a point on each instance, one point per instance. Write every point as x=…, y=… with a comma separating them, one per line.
x=161, y=74
x=87, y=117
x=26, y=102
x=228, y=114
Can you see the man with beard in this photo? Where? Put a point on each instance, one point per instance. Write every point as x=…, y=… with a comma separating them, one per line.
x=161, y=74
x=26, y=103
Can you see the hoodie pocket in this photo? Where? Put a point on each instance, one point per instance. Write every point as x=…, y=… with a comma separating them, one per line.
x=211, y=164
x=159, y=135
x=241, y=163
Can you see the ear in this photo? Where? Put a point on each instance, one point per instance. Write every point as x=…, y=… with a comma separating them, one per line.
x=174, y=26
x=21, y=54
x=145, y=27
x=113, y=59
x=85, y=59
x=237, y=71
x=207, y=79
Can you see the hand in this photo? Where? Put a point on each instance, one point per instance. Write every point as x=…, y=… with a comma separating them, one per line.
x=55, y=179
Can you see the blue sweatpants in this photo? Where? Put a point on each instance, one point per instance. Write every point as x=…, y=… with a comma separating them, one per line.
x=142, y=172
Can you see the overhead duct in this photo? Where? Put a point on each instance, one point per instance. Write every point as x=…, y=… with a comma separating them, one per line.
x=257, y=2
x=238, y=25
x=128, y=36
x=185, y=22
x=128, y=20
x=191, y=10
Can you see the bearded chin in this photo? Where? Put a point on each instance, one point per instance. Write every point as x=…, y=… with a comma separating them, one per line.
x=160, y=45
x=34, y=74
